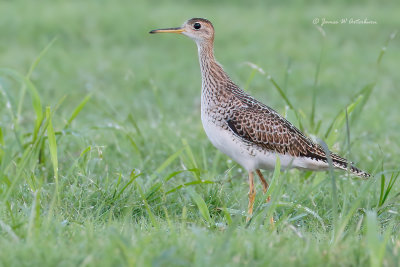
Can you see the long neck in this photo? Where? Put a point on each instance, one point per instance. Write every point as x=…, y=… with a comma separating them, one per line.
x=213, y=76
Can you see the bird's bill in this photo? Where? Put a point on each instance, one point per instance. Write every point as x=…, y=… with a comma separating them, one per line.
x=168, y=30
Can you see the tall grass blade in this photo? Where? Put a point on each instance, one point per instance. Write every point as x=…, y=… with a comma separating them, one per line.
x=190, y=154
x=52, y=146
x=275, y=178
x=382, y=192
x=383, y=50
x=348, y=140
x=134, y=124
x=287, y=74
x=274, y=190
x=335, y=203
x=201, y=205
x=315, y=85
x=250, y=79
x=37, y=106
x=36, y=102
x=26, y=159
x=77, y=110
x=39, y=57
x=365, y=92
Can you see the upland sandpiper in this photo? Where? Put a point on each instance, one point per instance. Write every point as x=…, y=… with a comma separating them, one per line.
x=245, y=129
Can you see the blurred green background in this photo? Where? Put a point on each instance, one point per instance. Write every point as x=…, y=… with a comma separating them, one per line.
x=145, y=106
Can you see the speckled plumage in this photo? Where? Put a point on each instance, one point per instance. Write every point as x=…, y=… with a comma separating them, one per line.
x=254, y=127
x=243, y=128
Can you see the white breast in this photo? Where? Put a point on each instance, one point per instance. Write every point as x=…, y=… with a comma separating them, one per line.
x=250, y=156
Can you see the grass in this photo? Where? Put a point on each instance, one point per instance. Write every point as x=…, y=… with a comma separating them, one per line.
x=103, y=159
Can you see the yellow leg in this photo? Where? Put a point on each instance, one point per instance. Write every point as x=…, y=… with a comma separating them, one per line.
x=263, y=181
x=252, y=195
x=265, y=189
x=264, y=184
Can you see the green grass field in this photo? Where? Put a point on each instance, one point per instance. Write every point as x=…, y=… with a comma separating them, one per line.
x=104, y=162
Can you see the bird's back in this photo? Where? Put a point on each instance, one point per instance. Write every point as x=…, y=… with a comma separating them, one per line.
x=257, y=131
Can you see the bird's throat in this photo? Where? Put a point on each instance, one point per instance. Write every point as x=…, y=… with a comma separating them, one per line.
x=213, y=75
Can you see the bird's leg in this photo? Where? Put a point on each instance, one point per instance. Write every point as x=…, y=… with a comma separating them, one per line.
x=265, y=189
x=252, y=195
x=264, y=184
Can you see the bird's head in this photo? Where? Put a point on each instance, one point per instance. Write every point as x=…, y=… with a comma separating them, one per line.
x=200, y=30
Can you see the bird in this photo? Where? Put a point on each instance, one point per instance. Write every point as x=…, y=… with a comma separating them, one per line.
x=248, y=131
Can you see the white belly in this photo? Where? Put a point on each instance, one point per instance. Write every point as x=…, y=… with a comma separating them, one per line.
x=251, y=157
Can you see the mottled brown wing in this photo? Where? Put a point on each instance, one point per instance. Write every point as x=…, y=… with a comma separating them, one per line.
x=269, y=130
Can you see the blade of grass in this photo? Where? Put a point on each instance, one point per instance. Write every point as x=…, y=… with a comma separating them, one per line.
x=188, y=184
x=315, y=85
x=39, y=57
x=166, y=163
x=383, y=50
x=366, y=92
x=34, y=92
x=14, y=118
x=331, y=135
x=385, y=193
x=77, y=110
x=134, y=145
x=227, y=215
x=158, y=185
x=52, y=147
x=272, y=192
x=35, y=98
x=20, y=103
x=134, y=124
x=190, y=154
x=335, y=202
x=147, y=207
x=382, y=192
x=37, y=106
x=201, y=205
x=287, y=74
x=249, y=79
x=133, y=177
x=353, y=208
x=25, y=159
x=305, y=209
x=348, y=138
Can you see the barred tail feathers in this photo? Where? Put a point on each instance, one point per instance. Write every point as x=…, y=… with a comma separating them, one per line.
x=342, y=163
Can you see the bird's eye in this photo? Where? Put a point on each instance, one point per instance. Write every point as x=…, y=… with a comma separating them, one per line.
x=197, y=25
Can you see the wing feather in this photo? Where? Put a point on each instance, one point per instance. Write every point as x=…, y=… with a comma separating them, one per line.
x=268, y=130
